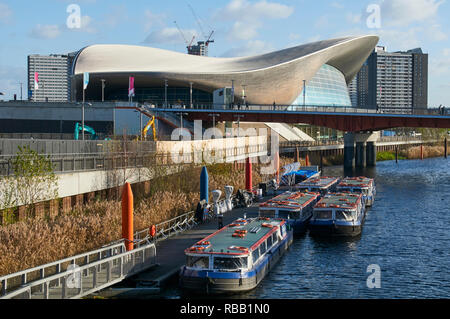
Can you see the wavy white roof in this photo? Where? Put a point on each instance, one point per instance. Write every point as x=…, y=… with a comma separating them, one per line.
x=262, y=74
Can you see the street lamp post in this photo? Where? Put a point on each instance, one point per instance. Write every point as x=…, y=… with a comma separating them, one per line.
x=165, y=93
x=103, y=90
x=214, y=118
x=190, y=94
x=181, y=119
x=239, y=121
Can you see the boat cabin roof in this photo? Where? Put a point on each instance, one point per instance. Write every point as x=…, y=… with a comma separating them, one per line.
x=339, y=200
x=291, y=200
x=318, y=182
x=359, y=182
x=237, y=238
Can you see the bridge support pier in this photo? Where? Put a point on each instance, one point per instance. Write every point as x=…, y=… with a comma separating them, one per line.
x=360, y=155
x=349, y=150
x=364, y=153
x=371, y=154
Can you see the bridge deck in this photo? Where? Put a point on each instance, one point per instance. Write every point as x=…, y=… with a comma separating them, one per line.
x=343, y=119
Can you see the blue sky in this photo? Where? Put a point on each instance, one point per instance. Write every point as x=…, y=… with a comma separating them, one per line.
x=241, y=27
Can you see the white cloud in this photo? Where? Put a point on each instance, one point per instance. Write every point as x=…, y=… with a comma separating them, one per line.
x=353, y=18
x=169, y=36
x=440, y=64
x=151, y=19
x=406, y=12
x=116, y=14
x=10, y=78
x=247, y=18
x=435, y=33
x=45, y=31
x=5, y=13
x=253, y=47
x=337, y=5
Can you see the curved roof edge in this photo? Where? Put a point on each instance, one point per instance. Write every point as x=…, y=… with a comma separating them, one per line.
x=116, y=58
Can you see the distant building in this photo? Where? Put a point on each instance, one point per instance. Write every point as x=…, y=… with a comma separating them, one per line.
x=393, y=80
x=200, y=49
x=54, y=77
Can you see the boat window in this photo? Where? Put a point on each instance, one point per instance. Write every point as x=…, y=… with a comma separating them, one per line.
x=357, y=190
x=224, y=263
x=267, y=213
x=262, y=248
x=323, y=214
x=255, y=254
x=285, y=213
x=197, y=262
x=344, y=215
x=274, y=238
x=269, y=242
x=283, y=230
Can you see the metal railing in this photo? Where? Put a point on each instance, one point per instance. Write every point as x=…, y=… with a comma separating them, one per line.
x=75, y=162
x=90, y=272
x=407, y=110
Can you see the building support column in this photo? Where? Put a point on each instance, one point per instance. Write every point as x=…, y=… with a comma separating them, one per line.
x=349, y=150
x=360, y=156
x=371, y=154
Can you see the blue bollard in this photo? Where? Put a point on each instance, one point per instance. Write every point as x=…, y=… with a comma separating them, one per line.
x=204, y=194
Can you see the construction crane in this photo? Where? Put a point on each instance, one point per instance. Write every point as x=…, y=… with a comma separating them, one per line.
x=189, y=44
x=147, y=127
x=207, y=38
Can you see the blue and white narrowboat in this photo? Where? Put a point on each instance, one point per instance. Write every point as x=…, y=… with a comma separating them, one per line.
x=235, y=258
x=359, y=185
x=338, y=214
x=295, y=207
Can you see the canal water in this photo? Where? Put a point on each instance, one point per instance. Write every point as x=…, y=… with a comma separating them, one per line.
x=406, y=233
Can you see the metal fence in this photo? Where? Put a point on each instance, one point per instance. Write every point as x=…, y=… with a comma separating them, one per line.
x=54, y=147
x=407, y=110
x=79, y=275
x=75, y=162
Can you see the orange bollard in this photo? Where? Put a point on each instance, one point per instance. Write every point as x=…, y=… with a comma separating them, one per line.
x=421, y=151
x=307, y=159
x=127, y=216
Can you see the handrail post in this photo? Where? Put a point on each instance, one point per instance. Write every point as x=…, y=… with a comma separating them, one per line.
x=4, y=287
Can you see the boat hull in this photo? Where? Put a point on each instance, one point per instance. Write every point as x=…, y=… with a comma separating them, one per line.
x=209, y=282
x=298, y=226
x=317, y=228
x=334, y=230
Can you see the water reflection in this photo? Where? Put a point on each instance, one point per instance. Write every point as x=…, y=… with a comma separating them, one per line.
x=405, y=233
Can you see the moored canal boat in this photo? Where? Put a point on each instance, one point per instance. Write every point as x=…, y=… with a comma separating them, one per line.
x=295, y=207
x=321, y=184
x=338, y=214
x=235, y=258
x=361, y=185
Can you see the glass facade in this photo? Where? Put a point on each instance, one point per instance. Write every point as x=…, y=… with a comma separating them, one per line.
x=156, y=95
x=327, y=88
